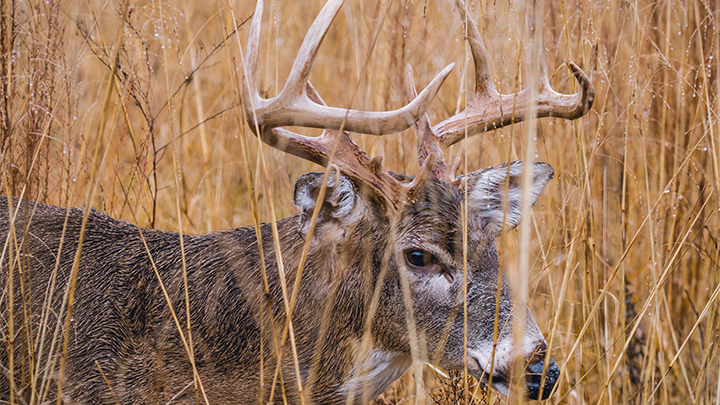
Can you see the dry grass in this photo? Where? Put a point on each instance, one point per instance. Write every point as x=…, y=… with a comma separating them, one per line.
x=624, y=253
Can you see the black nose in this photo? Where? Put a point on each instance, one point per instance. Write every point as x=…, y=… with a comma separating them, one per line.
x=533, y=377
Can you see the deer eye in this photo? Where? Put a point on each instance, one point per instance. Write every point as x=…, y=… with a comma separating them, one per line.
x=419, y=258
x=424, y=262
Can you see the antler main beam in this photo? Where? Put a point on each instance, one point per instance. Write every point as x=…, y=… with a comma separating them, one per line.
x=491, y=110
x=293, y=106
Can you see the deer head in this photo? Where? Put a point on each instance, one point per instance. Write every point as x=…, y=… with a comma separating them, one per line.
x=416, y=235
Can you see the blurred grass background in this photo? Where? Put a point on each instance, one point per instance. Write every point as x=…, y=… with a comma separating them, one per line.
x=625, y=274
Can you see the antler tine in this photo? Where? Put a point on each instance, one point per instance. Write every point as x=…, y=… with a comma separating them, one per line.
x=427, y=143
x=490, y=110
x=293, y=107
x=483, y=73
x=300, y=71
x=249, y=88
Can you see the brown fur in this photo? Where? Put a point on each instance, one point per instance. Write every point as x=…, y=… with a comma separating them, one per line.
x=122, y=321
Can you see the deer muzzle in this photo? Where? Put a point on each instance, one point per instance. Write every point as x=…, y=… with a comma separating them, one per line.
x=535, y=379
x=538, y=385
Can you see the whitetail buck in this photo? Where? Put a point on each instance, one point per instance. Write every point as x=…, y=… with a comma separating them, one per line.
x=383, y=282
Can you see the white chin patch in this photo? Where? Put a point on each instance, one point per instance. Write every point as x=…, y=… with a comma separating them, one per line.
x=500, y=359
x=501, y=388
x=374, y=374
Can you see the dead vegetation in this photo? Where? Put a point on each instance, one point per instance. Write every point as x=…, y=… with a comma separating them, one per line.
x=129, y=107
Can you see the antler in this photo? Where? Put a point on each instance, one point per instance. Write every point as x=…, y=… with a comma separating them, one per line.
x=491, y=110
x=299, y=104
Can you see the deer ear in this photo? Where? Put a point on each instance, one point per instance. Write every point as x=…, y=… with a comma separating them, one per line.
x=493, y=189
x=341, y=206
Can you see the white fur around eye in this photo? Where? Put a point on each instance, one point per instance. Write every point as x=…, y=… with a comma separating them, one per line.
x=496, y=187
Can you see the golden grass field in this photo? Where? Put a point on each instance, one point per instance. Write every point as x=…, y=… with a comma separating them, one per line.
x=625, y=275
